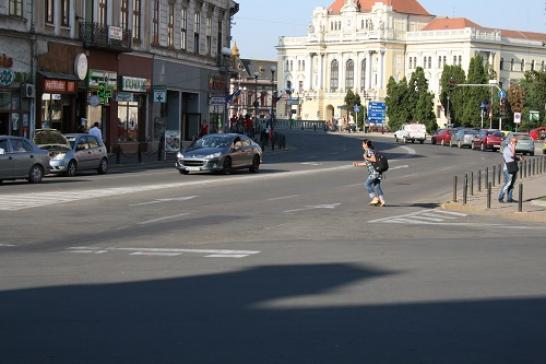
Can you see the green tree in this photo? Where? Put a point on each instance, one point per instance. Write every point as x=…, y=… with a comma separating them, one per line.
x=352, y=99
x=452, y=76
x=534, y=91
x=396, y=101
x=420, y=101
x=474, y=96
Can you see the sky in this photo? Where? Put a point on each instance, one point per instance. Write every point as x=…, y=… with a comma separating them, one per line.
x=259, y=24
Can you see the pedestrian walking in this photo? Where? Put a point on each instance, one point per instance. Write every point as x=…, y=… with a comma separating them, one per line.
x=373, y=182
x=96, y=132
x=510, y=171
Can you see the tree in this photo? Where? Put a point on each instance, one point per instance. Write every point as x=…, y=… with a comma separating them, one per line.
x=396, y=101
x=420, y=101
x=451, y=77
x=351, y=100
x=475, y=96
x=534, y=92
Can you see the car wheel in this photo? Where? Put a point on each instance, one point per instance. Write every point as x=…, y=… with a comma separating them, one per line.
x=103, y=167
x=227, y=166
x=396, y=139
x=255, y=168
x=36, y=174
x=72, y=169
x=184, y=172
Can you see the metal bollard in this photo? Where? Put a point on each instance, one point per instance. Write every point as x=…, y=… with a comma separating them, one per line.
x=500, y=174
x=487, y=177
x=465, y=189
x=520, y=201
x=520, y=164
x=489, y=196
x=471, y=183
x=480, y=180
x=534, y=167
x=455, y=180
x=525, y=169
x=494, y=175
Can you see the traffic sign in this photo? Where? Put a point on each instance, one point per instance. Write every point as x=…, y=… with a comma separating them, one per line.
x=356, y=109
x=502, y=94
x=517, y=118
x=376, y=112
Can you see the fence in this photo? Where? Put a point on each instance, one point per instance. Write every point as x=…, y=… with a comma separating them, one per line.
x=292, y=124
x=492, y=176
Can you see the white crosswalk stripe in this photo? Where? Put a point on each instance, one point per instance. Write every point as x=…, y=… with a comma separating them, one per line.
x=423, y=217
x=165, y=252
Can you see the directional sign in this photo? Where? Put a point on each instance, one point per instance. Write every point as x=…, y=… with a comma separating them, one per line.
x=217, y=101
x=376, y=112
x=502, y=94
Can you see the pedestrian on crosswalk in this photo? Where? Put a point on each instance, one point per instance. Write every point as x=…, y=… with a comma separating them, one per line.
x=373, y=182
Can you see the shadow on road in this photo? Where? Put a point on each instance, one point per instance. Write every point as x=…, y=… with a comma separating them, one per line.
x=231, y=318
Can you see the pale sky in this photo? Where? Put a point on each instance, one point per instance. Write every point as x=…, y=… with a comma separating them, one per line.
x=259, y=24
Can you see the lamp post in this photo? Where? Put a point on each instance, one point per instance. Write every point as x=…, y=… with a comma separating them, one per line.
x=273, y=96
x=256, y=75
x=226, y=55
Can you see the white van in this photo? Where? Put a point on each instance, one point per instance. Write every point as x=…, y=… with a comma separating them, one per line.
x=411, y=133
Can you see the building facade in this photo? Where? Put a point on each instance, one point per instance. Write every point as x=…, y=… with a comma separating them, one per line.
x=359, y=45
x=138, y=67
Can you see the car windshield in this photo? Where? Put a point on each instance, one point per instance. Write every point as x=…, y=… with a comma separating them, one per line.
x=495, y=133
x=48, y=138
x=213, y=141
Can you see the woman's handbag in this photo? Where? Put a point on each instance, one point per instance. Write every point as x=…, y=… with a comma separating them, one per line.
x=512, y=167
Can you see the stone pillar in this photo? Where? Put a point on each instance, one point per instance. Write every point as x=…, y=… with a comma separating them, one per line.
x=320, y=72
x=382, y=74
x=370, y=67
x=309, y=72
x=73, y=25
x=57, y=17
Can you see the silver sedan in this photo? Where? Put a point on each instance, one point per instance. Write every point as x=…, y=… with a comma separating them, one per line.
x=220, y=153
x=525, y=144
x=20, y=158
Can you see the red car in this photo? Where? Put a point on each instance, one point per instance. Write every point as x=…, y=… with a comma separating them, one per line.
x=442, y=136
x=487, y=140
x=538, y=133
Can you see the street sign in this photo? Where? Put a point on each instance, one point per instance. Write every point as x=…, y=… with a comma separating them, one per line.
x=217, y=101
x=376, y=112
x=502, y=94
x=534, y=115
x=160, y=94
x=517, y=118
x=356, y=109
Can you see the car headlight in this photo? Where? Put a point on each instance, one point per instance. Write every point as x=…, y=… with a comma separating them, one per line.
x=180, y=155
x=59, y=157
x=214, y=155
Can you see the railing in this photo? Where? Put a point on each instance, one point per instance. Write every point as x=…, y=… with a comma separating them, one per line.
x=95, y=35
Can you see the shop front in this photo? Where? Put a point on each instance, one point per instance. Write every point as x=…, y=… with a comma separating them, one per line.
x=102, y=87
x=58, y=101
x=15, y=99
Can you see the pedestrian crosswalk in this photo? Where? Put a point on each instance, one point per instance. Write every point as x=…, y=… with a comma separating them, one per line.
x=164, y=252
x=425, y=217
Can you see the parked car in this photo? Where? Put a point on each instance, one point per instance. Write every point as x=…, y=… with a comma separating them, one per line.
x=441, y=136
x=463, y=138
x=220, y=153
x=72, y=153
x=21, y=159
x=411, y=133
x=525, y=144
x=538, y=133
x=487, y=140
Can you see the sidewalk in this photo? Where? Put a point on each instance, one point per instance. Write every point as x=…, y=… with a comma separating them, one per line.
x=534, y=209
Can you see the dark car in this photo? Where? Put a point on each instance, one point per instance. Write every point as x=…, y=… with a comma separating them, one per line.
x=220, y=153
x=21, y=159
x=488, y=140
x=442, y=136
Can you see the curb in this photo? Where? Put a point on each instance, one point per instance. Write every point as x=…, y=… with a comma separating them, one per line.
x=513, y=215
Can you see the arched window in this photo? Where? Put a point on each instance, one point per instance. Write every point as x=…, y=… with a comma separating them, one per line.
x=350, y=75
x=522, y=65
x=334, y=76
x=502, y=64
x=533, y=65
x=363, y=70
x=429, y=62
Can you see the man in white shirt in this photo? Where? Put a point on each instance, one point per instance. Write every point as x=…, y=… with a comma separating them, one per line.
x=510, y=175
x=96, y=132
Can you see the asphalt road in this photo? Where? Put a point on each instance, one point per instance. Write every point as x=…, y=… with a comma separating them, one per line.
x=287, y=266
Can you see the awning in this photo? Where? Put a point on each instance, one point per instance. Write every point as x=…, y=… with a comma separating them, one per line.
x=59, y=76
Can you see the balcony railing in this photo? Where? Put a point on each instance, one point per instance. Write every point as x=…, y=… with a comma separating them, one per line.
x=95, y=35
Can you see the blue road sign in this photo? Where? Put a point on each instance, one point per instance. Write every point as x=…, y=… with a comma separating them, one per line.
x=376, y=112
x=502, y=94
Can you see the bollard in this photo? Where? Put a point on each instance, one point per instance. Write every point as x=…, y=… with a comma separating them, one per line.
x=480, y=180
x=489, y=196
x=534, y=167
x=520, y=201
x=520, y=166
x=455, y=189
x=500, y=174
x=465, y=189
x=487, y=177
x=525, y=169
x=494, y=177
x=471, y=183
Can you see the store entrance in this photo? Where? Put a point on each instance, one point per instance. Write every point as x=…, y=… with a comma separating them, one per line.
x=4, y=123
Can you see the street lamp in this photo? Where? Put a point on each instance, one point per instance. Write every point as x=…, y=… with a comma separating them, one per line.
x=273, y=96
x=226, y=55
x=256, y=75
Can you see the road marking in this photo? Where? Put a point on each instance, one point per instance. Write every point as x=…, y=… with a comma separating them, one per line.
x=315, y=164
x=164, y=218
x=425, y=217
x=410, y=151
x=164, y=200
x=167, y=252
x=398, y=167
x=316, y=207
x=282, y=198
x=7, y=246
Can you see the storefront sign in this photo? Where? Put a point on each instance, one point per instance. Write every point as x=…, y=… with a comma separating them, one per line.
x=7, y=77
x=172, y=141
x=59, y=86
x=81, y=66
x=115, y=33
x=125, y=97
x=104, y=79
x=217, y=101
x=134, y=84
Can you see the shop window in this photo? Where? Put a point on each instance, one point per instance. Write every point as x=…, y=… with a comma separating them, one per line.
x=50, y=11
x=16, y=7
x=183, y=28
x=136, y=19
x=170, y=26
x=128, y=121
x=65, y=13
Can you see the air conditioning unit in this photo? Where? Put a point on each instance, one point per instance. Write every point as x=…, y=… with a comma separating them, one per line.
x=28, y=91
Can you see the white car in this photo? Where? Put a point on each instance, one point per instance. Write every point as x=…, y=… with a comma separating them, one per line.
x=411, y=133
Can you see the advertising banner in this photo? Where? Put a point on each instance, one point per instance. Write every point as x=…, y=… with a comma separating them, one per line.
x=172, y=141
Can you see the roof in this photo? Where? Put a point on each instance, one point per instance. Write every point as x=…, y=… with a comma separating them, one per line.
x=400, y=6
x=461, y=23
x=248, y=67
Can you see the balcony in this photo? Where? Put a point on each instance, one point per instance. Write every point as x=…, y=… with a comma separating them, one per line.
x=95, y=35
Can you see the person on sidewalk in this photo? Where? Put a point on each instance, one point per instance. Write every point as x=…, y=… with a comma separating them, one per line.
x=373, y=183
x=96, y=132
x=510, y=171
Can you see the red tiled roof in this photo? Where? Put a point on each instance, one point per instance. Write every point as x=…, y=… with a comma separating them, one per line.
x=523, y=35
x=400, y=6
x=451, y=23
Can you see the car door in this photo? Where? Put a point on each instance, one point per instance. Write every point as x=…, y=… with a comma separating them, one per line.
x=82, y=153
x=95, y=156
x=6, y=159
x=23, y=157
x=237, y=154
x=246, y=151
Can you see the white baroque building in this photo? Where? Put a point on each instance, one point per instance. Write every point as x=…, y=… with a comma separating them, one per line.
x=360, y=44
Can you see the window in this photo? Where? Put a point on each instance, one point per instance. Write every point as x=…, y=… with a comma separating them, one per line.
x=170, y=27
x=439, y=61
x=4, y=148
x=136, y=19
x=411, y=63
x=65, y=13
x=512, y=64
x=128, y=121
x=93, y=142
x=50, y=11
x=16, y=7
x=454, y=60
x=291, y=65
x=196, y=30
x=445, y=61
x=303, y=65
x=287, y=65
x=542, y=66
x=425, y=62
x=350, y=75
x=460, y=60
x=209, y=35
x=363, y=75
x=103, y=11
x=21, y=146
x=334, y=76
x=183, y=28
x=155, y=34
x=220, y=35
x=124, y=15
x=300, y=86
x=533, y=65
x=522, y=65
x=502, y=64
x=429, y=62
